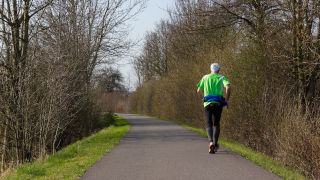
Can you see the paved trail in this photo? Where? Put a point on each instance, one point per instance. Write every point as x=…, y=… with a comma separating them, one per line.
x=156, y=149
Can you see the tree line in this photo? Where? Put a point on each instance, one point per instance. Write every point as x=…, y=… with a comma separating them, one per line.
x=269, y=50
x=50, y=51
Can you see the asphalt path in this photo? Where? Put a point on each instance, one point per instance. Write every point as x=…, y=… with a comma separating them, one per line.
x=156, y=149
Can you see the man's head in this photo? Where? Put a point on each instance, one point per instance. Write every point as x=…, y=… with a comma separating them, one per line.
x=215, y=68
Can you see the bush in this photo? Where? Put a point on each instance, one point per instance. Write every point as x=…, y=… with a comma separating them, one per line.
x=106, y=120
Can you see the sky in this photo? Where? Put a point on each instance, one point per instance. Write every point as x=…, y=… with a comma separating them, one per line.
x=144, y=22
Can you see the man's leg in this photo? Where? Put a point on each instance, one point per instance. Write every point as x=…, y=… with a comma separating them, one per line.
x=208, y=112
x=217, y=111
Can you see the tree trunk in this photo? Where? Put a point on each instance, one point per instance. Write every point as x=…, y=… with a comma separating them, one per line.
x=294, y=43
x=4, y=145
x=301, y=83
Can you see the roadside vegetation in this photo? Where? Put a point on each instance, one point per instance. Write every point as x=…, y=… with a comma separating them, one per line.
x=74, y=160
x=270, y=52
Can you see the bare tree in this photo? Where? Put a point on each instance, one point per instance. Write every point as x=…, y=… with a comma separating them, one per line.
x=15, y=17
x=49, y=50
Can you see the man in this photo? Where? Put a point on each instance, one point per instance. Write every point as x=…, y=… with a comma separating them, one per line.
x=213, y=101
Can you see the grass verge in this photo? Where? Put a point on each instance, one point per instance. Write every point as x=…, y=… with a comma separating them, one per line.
x=266, y=162
x=72, y=161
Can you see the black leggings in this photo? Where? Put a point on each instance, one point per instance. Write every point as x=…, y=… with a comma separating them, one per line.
x=215, y=110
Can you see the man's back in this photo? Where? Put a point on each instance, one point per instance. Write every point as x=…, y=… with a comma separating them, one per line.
x=213, y=84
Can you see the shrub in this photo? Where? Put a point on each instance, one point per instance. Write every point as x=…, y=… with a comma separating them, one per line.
x=106, y=120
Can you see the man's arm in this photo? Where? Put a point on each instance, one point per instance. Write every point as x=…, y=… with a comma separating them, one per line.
x=199, y=92
x=228, y=92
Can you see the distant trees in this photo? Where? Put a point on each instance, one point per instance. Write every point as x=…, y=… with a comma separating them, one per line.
x=153, y=62
x=110, y=93
x=49, y=51
x=110, y=80
x=269, y=50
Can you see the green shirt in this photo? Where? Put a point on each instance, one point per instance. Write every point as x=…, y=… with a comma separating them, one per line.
x=213, y=84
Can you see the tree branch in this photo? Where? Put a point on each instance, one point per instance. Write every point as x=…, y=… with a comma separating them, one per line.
x=250, y=23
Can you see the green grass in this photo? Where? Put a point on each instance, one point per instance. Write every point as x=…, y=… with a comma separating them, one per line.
x=266, y=162
x=72, y=161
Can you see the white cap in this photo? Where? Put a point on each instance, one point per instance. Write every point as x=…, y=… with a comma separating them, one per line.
x=215, y=67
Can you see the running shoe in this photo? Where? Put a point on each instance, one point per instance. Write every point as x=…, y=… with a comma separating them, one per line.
x=211, y=148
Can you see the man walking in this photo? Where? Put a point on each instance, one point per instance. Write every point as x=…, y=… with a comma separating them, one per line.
x=212, y=84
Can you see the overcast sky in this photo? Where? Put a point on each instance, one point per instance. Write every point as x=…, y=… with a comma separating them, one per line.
x=144, y=22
